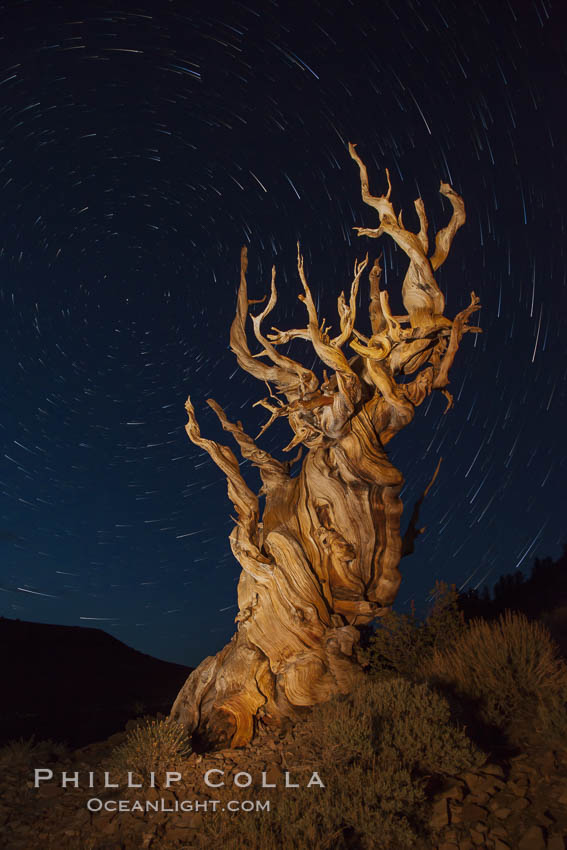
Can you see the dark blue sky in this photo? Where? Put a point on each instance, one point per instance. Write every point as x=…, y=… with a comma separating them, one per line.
x=139, y=149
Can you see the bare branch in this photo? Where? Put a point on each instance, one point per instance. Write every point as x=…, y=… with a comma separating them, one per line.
x=380, y=344
x=372, y=351
x=421, y=296
x=331, y=356
x=281, y=337
x=390, y=391
x=459, y=328
x=348, y=314
x=423, y=225
x=241, y=496
x=276, y=412
x=286, y=379
x=307, y=381
x=413, y=532
x=377, y=320
x=444, y=238
x=271, y=470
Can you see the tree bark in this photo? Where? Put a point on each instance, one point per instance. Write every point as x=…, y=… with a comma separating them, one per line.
x=324, y=558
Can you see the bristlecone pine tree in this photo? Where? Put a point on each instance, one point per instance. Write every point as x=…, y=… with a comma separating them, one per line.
x=323, y=558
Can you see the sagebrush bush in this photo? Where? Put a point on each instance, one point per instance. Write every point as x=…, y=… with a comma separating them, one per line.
x=359, y=808
x=152, y=746
x=403, y=642
x=375, y=750
x=24, y=753
x=511, y=668
x=410, y=718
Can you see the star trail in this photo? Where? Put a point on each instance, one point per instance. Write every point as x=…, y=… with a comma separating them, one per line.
x=139, y=150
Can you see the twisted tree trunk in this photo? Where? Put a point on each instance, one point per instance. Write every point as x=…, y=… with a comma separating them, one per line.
x=324, y=559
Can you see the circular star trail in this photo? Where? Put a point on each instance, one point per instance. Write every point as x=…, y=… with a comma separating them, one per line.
x=139, y=150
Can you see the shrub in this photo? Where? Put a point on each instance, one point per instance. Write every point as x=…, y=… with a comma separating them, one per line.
x=510, y=667
x=25, y=753
x=151, y=746
x=376, y=751
x=402, y=643
x=394, y=715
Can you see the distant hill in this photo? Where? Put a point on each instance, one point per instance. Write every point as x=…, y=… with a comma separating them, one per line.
x=77, y=684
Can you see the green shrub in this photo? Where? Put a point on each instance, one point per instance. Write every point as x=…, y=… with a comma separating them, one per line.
x=152, y=745
x=511, y=668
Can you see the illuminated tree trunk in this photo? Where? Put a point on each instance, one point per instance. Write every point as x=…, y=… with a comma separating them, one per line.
x=324, y=557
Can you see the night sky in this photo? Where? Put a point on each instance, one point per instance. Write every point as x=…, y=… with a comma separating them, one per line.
x=140, y=148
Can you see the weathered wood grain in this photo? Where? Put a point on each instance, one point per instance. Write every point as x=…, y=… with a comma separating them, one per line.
x=324, y=557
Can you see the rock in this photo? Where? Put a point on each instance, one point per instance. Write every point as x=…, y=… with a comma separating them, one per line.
x=454, y=791
x=484, y=783
x=493, y=770
x=83, y=817
x=107, y=827
x=195, y=820
x=474, y=780
x=532, y=839
x=502, y=813
x=152, y=794
x=176, y=834
x=185, y=821
x=477, y=838
x=518, y=786
x=493, y=784
x=50, y=791
x=548, y=761
x=520, y=804
x=448, y=845
x=500, y=845
x=523, y=768
x=480, y=798
x=555, y=842
x=484, y=786
x=498, y=832
x=502, y=799
x=439, y=815
x=472, y=812
x=455, y=810
x=274, y=775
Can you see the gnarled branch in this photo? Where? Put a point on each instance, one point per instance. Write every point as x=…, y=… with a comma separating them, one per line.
x=324, y=559
x=421, y=295
x=289, y=377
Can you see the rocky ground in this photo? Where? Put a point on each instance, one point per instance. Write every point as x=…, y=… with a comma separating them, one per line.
x=520, y=804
